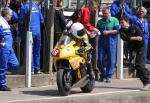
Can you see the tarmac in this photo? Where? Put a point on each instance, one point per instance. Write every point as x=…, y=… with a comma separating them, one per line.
x=118, y=91
x=44, y=90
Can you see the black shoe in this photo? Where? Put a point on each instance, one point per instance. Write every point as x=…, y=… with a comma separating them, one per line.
x=108, y=80
x=5, y=88
x=102, y=79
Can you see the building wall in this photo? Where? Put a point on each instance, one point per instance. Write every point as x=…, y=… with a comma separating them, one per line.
x=106, y=3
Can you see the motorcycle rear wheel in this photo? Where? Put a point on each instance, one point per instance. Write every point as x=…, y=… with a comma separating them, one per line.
x=88, y=87
x=63, y=83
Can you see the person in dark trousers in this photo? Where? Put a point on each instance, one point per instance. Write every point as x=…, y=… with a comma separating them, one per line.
x=141, y=21
x=84, y=17
x=8, y=60
x=135, y=41
x=59, y=22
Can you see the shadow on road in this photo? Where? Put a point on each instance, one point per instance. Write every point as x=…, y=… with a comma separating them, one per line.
x=47, y=92
x=114, y=87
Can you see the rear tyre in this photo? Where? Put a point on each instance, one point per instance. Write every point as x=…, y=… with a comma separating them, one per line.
x=91, y=83
x=88, y=87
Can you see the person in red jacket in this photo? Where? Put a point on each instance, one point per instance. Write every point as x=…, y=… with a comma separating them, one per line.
x=84, y=18
x=85, y=15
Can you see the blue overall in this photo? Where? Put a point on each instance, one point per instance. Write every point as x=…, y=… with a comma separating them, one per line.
x=14, y=16
x=115, y=8
x=35, y=28
x=148, y=51
x=8, y=58
x=144, y=28
x=107, y=47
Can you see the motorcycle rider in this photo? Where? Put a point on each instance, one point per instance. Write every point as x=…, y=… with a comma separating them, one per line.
x=81, y=37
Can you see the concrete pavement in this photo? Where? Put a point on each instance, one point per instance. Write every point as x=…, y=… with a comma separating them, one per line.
x=18, y=81
x=118, y=91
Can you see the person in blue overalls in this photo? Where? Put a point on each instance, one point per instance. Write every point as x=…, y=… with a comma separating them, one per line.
x=109, y=27
x=8, y=58
x=118, y=9
x=35, y=28
x=142, y=23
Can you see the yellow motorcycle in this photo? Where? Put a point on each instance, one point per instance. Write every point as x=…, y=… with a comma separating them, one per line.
x=71, y=67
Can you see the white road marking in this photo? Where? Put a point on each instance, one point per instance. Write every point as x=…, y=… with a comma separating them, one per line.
x=70, y=96
x=130, y=79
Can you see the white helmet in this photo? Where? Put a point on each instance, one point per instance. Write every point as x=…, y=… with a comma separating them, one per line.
x=77, y=29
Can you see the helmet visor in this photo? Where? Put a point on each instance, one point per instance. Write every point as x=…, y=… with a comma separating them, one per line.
x=81, y=32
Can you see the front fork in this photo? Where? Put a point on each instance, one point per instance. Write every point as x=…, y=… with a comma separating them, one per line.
x=68, y=70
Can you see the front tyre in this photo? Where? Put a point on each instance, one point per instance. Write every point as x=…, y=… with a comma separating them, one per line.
x=63, y=82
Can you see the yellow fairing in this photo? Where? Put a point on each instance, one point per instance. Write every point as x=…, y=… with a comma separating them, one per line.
x=75, y=62
x=68, y=53
x=69, y=50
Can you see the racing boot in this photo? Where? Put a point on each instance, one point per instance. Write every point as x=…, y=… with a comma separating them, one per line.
x=90, y=71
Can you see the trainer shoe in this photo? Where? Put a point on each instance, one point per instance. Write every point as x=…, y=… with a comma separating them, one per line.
x=38, y=72
x=32, y=73
x=146, y=87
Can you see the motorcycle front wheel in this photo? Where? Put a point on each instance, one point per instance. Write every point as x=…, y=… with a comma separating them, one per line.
x=63, y=82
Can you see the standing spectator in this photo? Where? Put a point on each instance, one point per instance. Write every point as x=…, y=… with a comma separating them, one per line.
x=134, y=37
x=14, y=20
x=142, y=23
x=85, y=15
x=84, y=18
x=35, y=27
x=118, y=9
x=107, y=43
x=59, y=22
x=8, y=58
x=108, y=27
